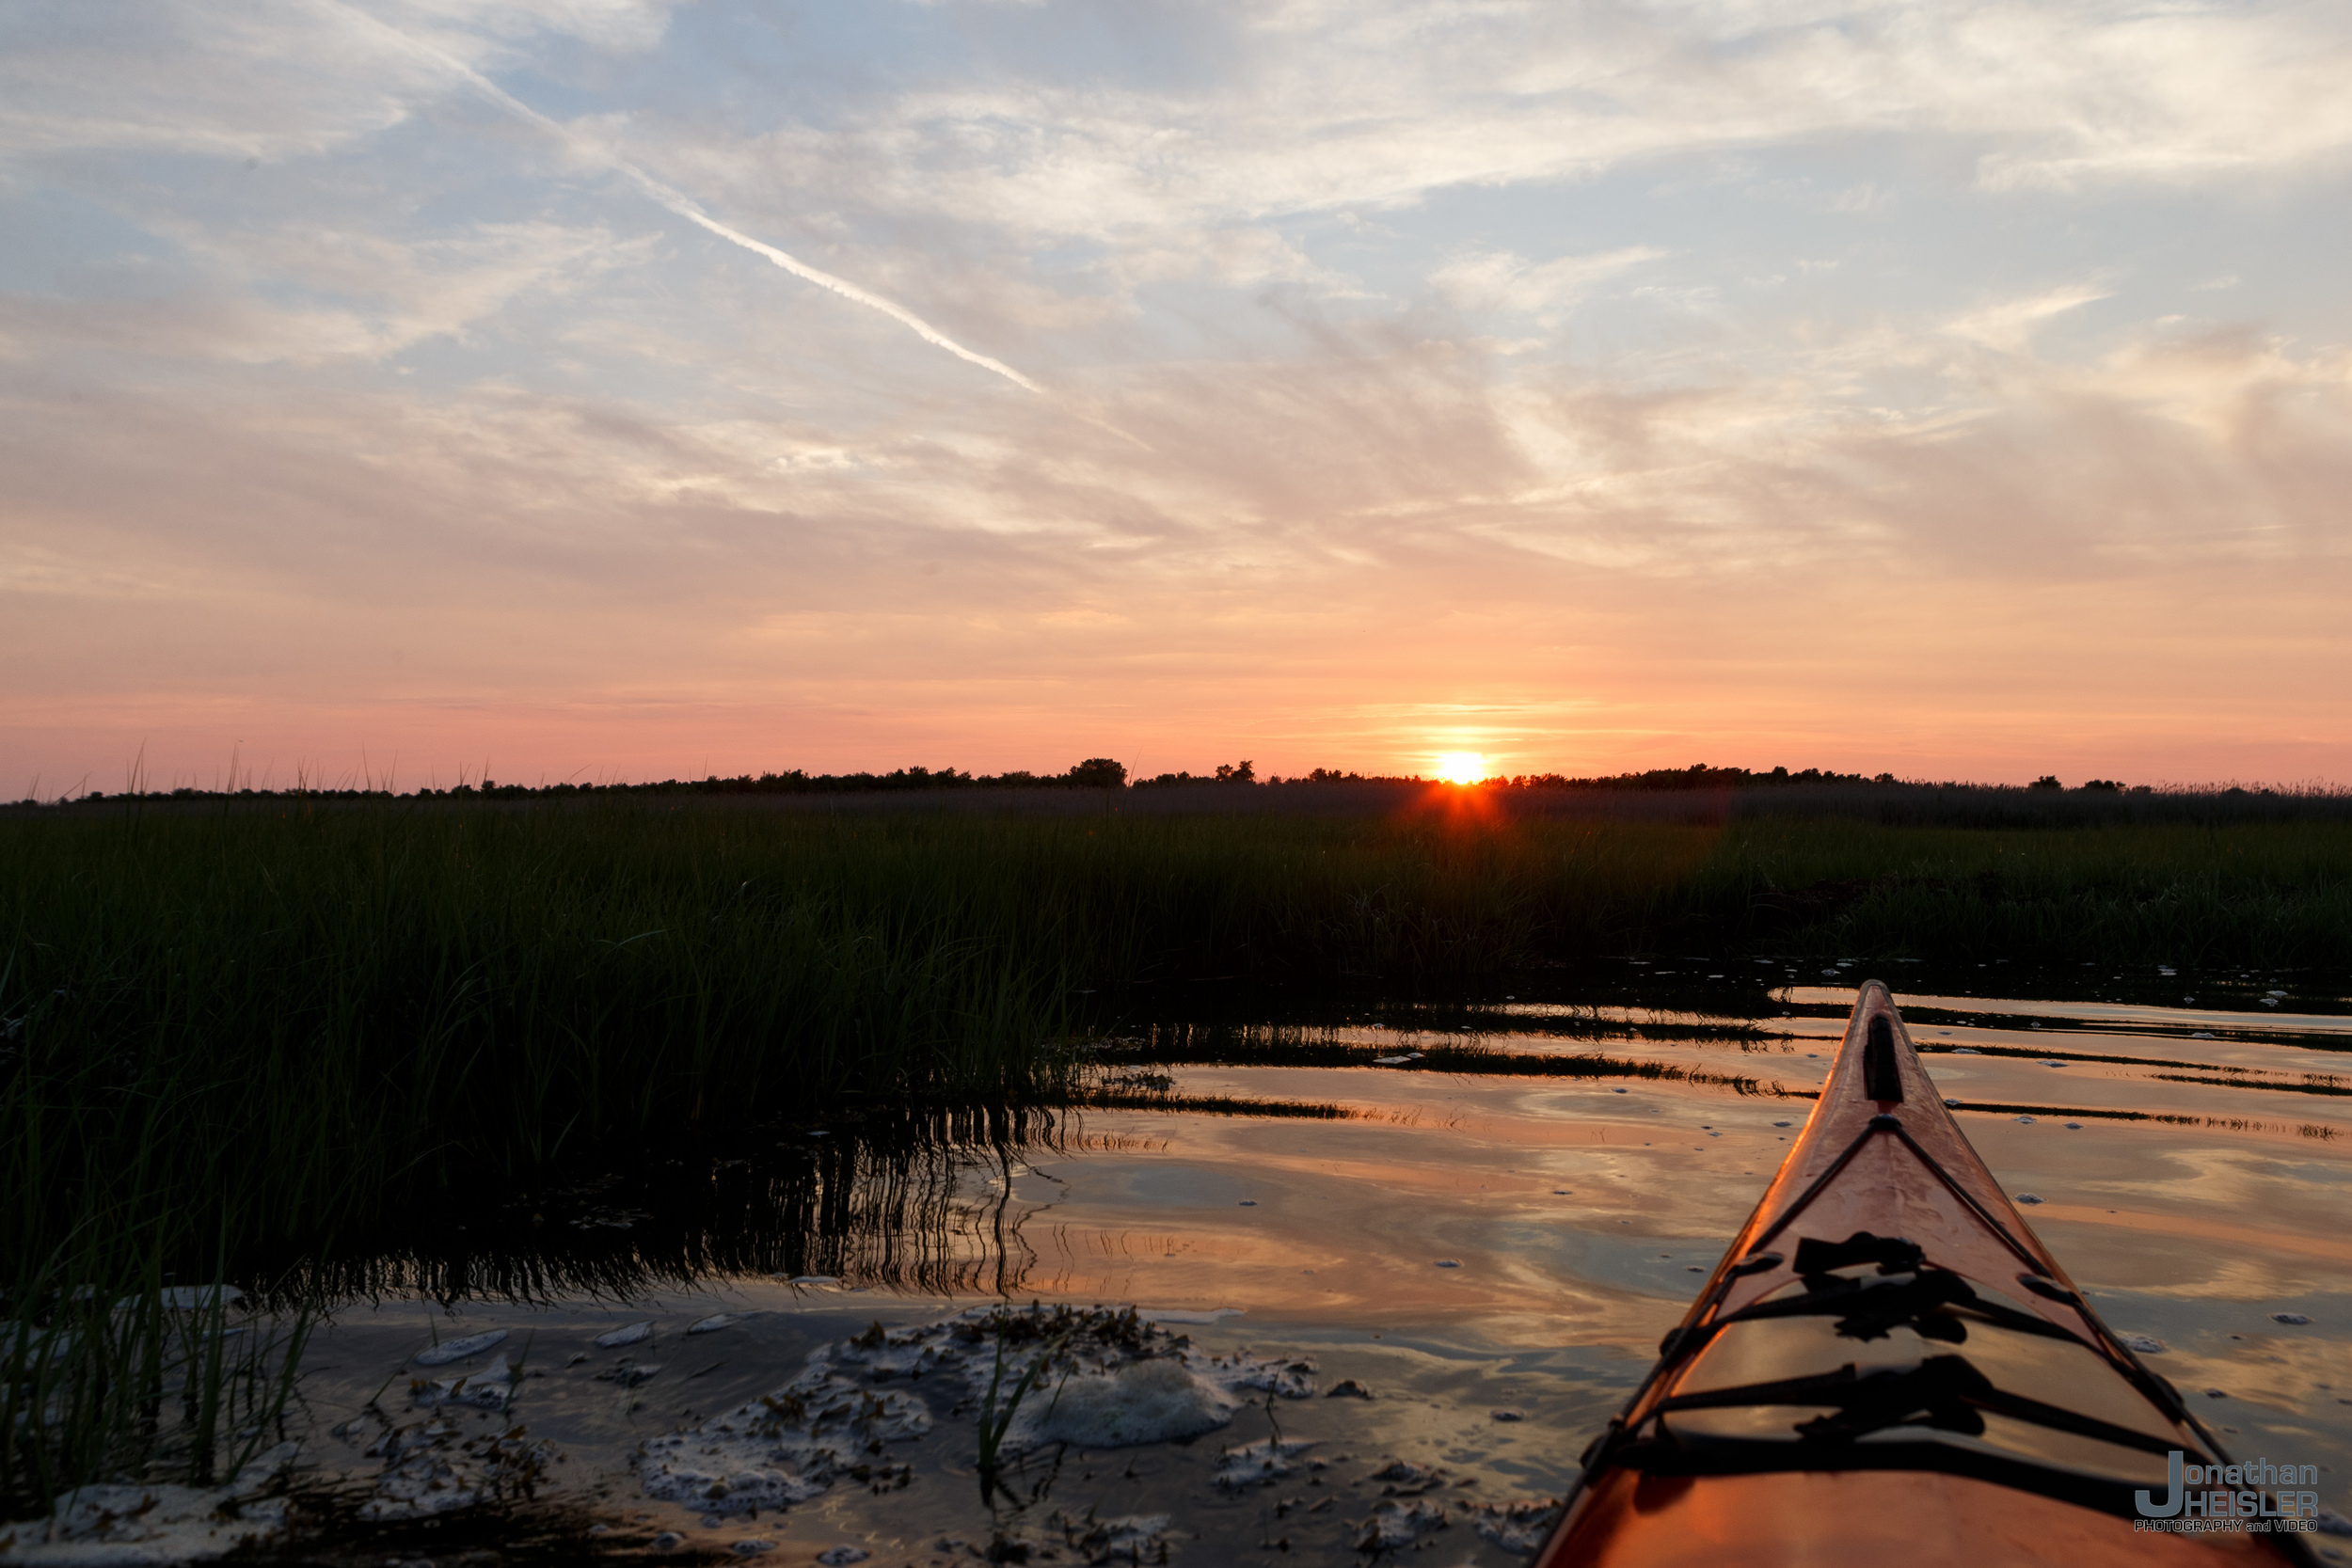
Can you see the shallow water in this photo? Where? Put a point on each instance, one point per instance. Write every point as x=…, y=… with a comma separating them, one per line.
x=1488, y=1237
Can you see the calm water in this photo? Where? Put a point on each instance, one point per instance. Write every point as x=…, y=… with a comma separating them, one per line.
x=1492, y=1250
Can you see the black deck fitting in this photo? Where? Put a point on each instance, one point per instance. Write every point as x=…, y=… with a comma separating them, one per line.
x=1881, y=1079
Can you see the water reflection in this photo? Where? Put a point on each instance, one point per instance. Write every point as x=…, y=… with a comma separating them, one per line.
x=913, y=1198
x=1488, y=1205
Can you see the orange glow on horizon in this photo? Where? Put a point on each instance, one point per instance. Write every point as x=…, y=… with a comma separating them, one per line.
x=1462, y=767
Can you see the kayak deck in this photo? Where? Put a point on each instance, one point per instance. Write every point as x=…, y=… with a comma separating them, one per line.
x=1887, y=1359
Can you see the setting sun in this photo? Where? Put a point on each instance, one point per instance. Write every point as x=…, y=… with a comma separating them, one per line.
x=1462, y=767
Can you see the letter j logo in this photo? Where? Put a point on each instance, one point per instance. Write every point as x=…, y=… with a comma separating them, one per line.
x=2148, y=1507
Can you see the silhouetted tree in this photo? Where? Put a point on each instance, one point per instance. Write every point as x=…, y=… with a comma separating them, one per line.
x=1100, y=773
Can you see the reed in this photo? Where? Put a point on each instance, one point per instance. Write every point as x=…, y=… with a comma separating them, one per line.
x=305, y=1018
x=109, y=1373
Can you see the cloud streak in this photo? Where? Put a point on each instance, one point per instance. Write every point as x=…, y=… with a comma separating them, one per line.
x=677, y=201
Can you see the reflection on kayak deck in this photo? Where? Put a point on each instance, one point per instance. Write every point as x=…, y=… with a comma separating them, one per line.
x=1468, y=1227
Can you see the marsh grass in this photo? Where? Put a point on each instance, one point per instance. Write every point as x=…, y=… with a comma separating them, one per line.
x=308, y=1021
x=2273, y=894
x=996, y=1420
x=109, y=1373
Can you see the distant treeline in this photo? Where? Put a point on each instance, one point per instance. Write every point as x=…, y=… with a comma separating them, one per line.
x=1106, y=773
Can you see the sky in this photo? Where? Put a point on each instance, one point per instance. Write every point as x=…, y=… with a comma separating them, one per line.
x=612, y=389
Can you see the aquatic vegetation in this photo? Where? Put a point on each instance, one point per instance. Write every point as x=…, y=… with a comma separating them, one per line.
x=111, y=1378
x=438, y=998
x=996, y=1420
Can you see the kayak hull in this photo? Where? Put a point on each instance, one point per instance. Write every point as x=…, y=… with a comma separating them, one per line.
x=1868, y=1519
x=1888, y=1360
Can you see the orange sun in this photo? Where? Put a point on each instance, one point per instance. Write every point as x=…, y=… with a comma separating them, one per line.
x=1462, y=767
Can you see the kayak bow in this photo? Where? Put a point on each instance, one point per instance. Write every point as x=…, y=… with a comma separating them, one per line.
x=1888, y=1365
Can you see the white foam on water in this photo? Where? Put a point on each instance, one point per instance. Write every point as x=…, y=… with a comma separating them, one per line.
x=632, y=1335
x=1188, y=1315
x=154, y=1524
x=1517, y=1526
x=487, y=1389
x=1149, y=1401
x=1399, y=1523
x=457, y=1350
x=780, y=1449
x=425, y=1475
x=1259, y=1463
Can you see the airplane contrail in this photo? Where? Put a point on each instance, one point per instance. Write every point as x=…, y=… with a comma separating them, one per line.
x=684, y=206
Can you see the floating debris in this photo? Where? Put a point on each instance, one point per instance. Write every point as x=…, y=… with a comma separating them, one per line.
x=487, y=1389
x=1965, y=1051
x=457, y=1350
x=752, y=1549
x=633, y=1334
x=840, y=1557
x=424, y=1476
x=1448, y=1263
x=1259, y=1464
x=1248, y=1203
x=2295, y=1318
x=1399, y=1524
x=2026, y=1119
x=1406, y=1479
x=2027, y=1198
x=628, y=1374
x=117, y=1523
x=1118, y=1380
x=1348, y=1388
x=777, y=1449
x=811, y=1279
x=1129, y=1538
x=2146, y=1344
x=1951, y=1103
x=195, y=1298
x=711, y=1324
x=1507, y=1414
x=1517, y=1526
x=1291, y=1376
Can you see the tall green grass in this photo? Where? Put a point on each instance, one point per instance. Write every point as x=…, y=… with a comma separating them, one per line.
x=298, y=1019
x=2272, y=895
x=108, y=1374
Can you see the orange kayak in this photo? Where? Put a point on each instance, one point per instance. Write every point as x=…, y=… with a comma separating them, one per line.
x=1889, y=1368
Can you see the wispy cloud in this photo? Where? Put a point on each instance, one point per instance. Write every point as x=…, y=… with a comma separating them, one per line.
x=1618, y=377
x=677, y=201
